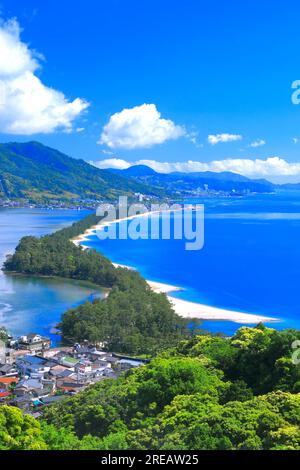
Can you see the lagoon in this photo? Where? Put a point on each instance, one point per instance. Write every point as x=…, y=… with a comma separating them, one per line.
x=30, y=303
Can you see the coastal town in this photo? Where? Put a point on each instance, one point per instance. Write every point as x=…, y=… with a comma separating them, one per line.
x=72, y=204
x=34, y=375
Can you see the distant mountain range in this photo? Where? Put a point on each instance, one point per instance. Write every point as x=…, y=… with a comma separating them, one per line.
x=36, y=172
x=185, y=183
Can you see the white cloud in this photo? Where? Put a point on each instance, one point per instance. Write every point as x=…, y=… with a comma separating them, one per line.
x=16, y=58
x=273, y=168
x=139, y=127
x=27, y=106
x=295, y=140
x=112, y=163
x=258, y=143
x=214, y=139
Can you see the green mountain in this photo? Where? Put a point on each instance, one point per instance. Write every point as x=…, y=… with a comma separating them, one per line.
x=38, y=173
x=136, y=171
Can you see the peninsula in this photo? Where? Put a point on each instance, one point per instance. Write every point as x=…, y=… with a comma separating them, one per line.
x=184, y=308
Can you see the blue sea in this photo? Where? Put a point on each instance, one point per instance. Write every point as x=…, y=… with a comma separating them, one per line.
x=250, y=261
x=28, y=303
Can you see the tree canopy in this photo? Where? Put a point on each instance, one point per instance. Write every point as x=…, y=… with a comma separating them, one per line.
x=191, y=397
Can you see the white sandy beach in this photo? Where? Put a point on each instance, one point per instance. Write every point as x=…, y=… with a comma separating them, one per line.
x=95, y=228
x=188, y=309
x=84, y=236
x=184, y=308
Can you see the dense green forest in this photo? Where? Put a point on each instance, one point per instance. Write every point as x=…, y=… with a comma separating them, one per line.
x=40, y=174
x=205, y=393
x=199, y=392
x=132, y=319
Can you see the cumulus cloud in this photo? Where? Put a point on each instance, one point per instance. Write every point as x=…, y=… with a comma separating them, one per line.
x=115, y=163
x=258, y=143
x=295, y=140
x=214, y=139
x=273, y=168
x=27, y=106
x=139, y=127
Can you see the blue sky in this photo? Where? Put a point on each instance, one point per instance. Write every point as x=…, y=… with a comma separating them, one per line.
x=209, y=67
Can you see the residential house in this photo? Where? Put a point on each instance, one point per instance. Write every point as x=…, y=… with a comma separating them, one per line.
x=33, y=342
x=6, y=354
x=33, y=365
x=69, y=385
x=8, y=370
x=8, y=381
x=52, y=353
x=84, y=368
x=59, y=370
x=87, y=351
x=112, y=360
x=29, y=387
x=34, y=388
x=6, y=384
x=13, y=354
x=68, y=361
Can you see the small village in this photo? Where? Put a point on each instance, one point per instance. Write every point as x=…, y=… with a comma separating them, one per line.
x=34, y=375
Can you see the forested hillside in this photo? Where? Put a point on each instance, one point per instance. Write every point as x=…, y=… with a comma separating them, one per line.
x=39, y=173
x=207, y=393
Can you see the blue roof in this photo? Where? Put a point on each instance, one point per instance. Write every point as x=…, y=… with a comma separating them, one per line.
x=37, y=402
x=34, y=359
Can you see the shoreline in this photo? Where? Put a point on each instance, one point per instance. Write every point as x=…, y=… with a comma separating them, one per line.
x=183, y=308
x=94, y=228
x=189, y=309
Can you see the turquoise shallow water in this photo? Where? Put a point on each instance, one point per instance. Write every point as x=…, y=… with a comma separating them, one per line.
x=250, y=261
x=31, y=303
